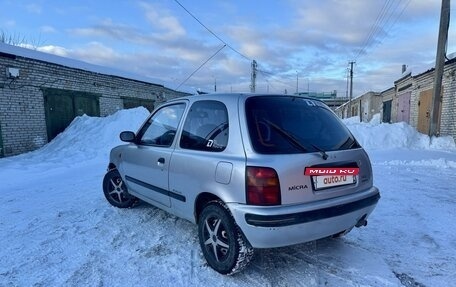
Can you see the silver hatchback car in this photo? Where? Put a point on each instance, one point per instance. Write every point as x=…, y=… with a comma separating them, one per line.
x=252, y=171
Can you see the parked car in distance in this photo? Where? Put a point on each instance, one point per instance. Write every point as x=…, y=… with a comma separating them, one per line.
x=252, y=171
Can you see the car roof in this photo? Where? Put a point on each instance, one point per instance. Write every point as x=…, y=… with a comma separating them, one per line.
x=218, y=96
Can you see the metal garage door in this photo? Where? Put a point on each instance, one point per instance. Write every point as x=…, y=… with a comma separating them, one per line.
x=387, y=111
x=62, y=106
x=403, y=107
x=424, y=111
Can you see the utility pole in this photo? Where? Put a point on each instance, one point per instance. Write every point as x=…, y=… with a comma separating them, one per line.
x=253, y=76
x=348, y=77
x=351, y=89
x=439, y=65
x=296, y=82
x=215, y=84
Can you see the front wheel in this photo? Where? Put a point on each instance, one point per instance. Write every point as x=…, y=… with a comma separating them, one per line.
x=224, y=247
x=115, y=190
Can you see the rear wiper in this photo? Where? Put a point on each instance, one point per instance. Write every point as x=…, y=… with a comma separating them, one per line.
x=324, y=155
x=294, y=141
x=286, y=135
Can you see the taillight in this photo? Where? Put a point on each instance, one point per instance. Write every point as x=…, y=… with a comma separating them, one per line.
x=262, y=186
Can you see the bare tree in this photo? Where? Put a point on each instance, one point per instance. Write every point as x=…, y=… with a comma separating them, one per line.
x=18, y=40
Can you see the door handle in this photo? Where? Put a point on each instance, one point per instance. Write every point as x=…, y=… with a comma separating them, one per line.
x=161, y=161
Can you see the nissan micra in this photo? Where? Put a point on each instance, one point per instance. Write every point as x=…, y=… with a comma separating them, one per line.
x=252, y=171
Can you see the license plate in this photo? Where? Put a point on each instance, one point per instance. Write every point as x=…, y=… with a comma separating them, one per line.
x=325, y=181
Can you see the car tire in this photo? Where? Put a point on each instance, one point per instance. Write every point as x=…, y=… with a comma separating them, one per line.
x=222, y=243
x=116, y=191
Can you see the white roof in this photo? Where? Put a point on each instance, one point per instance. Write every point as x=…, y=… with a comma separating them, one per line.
x=72, y=63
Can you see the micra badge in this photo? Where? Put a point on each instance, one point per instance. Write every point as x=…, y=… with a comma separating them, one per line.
x=297, y=187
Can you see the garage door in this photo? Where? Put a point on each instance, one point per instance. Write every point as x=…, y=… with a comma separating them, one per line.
x=387, y=111
x=403, y=107
x=424, y=111
x=62, y=106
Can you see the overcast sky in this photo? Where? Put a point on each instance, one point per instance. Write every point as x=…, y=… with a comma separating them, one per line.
x=308, y=43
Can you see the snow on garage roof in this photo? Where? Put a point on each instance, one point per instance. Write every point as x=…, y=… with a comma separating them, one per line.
x=72, y=63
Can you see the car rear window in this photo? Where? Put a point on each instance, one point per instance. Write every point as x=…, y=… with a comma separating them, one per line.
x=288, y=124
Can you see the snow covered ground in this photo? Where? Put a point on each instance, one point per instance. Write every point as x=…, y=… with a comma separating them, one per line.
x=56, y=228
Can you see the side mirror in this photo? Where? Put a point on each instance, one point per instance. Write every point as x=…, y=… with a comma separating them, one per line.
x=127, y=136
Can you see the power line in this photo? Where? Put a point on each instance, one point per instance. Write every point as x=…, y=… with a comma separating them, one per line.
x=383, y=22
x=269, y=74
x=210, y=31
x=393, y=22
x=375, y=28
x=201, y=66
x=400, y=15
x=225, y=43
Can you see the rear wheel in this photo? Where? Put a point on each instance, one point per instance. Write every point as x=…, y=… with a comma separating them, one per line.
x=115, y=190
x=224, y=247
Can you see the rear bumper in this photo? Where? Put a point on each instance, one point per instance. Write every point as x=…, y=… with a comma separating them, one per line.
x=267, y=227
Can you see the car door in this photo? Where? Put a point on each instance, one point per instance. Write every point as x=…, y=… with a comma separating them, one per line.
x=145, y=164
x=198, y=163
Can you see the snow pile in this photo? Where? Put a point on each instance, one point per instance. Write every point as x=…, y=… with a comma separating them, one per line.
x=90, y=137
x=383, y=136
x=441, y=163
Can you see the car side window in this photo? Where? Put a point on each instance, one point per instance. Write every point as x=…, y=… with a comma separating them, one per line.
x=206, y=127
x=160, y=129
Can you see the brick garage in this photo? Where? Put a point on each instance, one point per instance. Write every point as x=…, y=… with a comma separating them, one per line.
x=34, y=84
x=422, y=100
x=410, y=101
x=419, y=91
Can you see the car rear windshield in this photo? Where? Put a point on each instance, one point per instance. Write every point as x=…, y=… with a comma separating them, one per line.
x=288, y=124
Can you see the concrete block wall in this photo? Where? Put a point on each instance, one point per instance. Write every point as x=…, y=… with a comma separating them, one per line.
x=22, y=110
x=448, y=105
x=448, y=115
x=371, y=104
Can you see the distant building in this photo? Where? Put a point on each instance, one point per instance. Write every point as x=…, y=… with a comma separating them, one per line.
x=40, y=94
x=330, y=98
x=318, y=95
x=410, y=101
x=365, y=107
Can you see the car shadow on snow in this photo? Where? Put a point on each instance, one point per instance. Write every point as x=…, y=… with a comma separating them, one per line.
x=325, y=262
